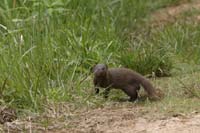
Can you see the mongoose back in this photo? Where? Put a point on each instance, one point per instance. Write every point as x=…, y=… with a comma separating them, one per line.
x=125, y=79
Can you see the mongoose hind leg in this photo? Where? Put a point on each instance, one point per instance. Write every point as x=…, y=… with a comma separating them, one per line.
x=132, y=91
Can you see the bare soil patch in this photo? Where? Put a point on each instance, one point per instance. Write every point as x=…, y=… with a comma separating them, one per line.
x=172, y=13
x=124, y=119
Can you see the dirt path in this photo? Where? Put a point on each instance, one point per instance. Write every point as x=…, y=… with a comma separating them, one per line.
x=125, y=120
x=110, y=119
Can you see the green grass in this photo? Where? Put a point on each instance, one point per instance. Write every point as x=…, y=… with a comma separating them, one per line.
x=48, y=47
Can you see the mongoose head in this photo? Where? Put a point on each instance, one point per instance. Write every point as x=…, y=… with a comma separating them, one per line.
x=100, y=70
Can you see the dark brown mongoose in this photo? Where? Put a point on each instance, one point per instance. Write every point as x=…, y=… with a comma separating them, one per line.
x=121, y=78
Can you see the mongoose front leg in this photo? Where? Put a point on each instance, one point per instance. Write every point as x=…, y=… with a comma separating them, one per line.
x=96, y=86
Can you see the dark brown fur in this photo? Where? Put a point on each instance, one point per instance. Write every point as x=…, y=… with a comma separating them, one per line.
x=121, y=78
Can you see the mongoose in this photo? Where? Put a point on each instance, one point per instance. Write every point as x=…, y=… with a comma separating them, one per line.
x=125, y=79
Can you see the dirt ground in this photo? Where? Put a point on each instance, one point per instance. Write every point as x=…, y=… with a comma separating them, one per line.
x=126, y=121
x=110, y=119
x=171, y=14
